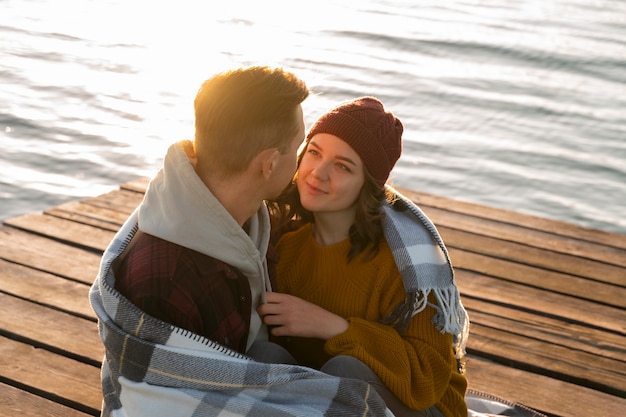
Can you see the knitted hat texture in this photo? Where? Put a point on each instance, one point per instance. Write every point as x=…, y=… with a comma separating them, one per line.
x=373, y=133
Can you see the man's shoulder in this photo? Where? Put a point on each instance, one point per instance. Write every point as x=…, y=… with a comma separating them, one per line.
x=146, y=247
x=169, y=256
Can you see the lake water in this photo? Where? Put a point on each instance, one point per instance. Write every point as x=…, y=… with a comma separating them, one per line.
x=513, y=104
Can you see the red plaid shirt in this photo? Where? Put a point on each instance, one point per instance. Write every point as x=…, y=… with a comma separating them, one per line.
x=188, y=289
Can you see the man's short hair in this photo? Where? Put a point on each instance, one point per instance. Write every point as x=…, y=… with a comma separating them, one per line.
x=240, y=113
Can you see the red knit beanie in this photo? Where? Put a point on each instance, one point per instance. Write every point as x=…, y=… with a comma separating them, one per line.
x=374, y=134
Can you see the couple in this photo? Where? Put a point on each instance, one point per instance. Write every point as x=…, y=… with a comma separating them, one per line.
x=239, y=288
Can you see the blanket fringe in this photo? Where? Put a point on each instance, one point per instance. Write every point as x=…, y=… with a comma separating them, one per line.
x=450, y=317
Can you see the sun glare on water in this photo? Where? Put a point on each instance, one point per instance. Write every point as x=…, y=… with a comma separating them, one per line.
x=133, y=68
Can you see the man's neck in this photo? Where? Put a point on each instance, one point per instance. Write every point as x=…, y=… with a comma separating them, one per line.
x=237, y=194
x=240, y=194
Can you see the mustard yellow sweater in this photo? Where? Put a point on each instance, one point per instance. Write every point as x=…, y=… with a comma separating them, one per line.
x=419, y=367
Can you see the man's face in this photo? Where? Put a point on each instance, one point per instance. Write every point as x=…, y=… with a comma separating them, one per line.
x=286, y=163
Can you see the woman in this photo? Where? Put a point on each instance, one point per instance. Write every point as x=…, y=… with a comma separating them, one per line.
x=342, y=305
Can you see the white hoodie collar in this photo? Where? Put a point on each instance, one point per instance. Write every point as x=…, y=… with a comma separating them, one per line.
x=178, y=207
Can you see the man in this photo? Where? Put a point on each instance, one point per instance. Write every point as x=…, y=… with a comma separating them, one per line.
x=200, y=261
x=179, y=285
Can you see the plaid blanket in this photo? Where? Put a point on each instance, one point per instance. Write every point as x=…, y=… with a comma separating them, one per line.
x=425, y=266
x=481, y=404
x=152, y=368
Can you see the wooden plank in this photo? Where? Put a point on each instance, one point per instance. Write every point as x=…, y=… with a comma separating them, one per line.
x=16, y=402
x=560, y=362
x=48, y=255
x=545, y=394
x=108, y=211
x=540, y=258
x=66, y=231
x=137, y=185
x=570, y=309
x=46, y=289
x=84, y=213
x=123, y=201
x=545, y=225
x=39, y=325
x=584, y=289
x=549, y=329
x=524, y=237
x=65, y=380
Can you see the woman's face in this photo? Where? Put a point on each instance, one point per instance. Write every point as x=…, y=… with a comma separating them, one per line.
x=330, y=175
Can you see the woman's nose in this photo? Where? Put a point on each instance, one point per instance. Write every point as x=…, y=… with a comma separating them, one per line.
x=320, y=171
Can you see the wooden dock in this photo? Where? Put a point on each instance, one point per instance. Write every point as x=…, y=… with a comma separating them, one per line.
x=547, y=302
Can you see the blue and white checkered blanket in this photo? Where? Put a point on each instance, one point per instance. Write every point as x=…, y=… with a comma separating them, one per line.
x=155, y=369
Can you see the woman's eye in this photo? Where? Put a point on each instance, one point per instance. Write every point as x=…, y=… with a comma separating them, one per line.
x=344, y=167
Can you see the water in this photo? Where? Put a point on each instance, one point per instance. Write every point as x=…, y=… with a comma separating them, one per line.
x=513, y=104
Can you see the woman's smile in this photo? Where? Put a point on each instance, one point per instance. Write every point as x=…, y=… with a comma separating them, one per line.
x=312, y=189
x=330, y=175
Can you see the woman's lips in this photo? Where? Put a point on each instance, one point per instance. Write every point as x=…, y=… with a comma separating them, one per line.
x=311, y=189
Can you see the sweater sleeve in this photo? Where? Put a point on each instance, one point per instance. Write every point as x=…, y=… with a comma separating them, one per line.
x=416, y=366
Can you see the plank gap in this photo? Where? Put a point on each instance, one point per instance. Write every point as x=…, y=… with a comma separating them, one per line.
x=543, y=313
x=41, y=345
x=550, y=373
x=71, y=243
x=50, y=396
x=50, y=306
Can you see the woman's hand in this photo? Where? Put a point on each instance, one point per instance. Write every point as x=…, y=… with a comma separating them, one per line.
x=287, y=315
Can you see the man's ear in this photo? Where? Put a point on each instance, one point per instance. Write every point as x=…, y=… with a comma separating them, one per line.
x=268, y=159
x=190, y=151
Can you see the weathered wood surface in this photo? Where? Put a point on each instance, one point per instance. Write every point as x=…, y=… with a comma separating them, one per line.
x=547, y=301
